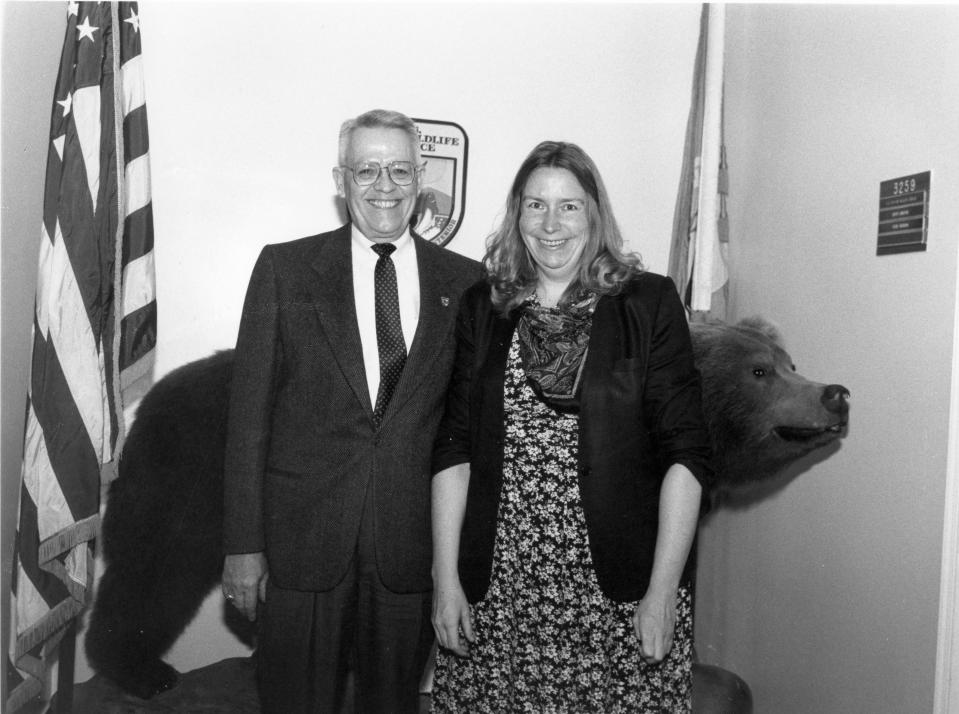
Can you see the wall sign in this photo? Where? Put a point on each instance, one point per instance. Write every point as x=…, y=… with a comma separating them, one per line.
x=439, y=211
x=903, y=214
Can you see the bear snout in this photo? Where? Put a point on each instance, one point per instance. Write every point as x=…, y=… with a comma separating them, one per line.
x=834, y=398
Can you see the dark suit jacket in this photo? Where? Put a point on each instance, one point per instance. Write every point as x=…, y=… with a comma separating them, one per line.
x=302, y=449
x=640, y=412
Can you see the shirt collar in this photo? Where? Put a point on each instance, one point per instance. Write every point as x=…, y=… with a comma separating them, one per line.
x=363, y=243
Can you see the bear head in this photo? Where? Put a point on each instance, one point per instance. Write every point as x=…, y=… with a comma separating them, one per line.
x=762, y=414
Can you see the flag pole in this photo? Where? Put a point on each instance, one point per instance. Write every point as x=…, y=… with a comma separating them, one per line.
x=110, y=468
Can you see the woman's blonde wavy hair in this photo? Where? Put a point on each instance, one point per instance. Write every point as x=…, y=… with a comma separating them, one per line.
x=604, y=267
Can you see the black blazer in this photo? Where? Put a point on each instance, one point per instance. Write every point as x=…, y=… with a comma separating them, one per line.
x=640, y=412
x=302, y=450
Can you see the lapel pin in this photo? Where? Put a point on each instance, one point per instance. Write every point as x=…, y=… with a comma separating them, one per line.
x=445, y=300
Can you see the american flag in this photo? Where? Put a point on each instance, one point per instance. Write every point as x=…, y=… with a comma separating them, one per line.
x=94, y=328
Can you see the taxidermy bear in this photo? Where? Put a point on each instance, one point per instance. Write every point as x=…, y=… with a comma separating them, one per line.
x=161, y=534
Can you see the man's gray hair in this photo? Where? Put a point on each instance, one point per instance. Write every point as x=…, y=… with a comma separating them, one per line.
x=379, y=119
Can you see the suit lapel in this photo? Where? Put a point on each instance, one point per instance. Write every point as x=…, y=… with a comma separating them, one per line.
x=336, y=310
x=433, y=326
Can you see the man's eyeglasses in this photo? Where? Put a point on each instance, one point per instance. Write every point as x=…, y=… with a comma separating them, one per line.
x=401, y=173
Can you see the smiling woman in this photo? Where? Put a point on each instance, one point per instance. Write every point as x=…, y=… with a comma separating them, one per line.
x=555, y=227
x=569, y=470
x=559, y=234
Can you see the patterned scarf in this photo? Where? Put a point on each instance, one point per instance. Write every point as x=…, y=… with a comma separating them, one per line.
x=553, y=343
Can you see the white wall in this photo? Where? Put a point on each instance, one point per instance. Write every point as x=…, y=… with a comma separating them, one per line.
x=245, y=102
x=245, y=106
x=824, y=597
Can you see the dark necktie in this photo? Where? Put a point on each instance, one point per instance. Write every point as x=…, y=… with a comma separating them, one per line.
x=389, y=331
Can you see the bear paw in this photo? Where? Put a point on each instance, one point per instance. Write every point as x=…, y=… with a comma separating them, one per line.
x=149, y=679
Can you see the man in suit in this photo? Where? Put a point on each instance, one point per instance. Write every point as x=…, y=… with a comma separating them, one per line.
x=342, y=361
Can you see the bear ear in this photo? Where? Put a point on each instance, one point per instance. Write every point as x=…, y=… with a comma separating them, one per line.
x=763, y=327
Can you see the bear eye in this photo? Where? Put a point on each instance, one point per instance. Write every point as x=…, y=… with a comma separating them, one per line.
x=759, y=371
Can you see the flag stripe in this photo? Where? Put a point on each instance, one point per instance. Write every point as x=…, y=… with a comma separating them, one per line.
x=136, y=141
x=133, y=93
x=138, y=292
x=139, y=334
x=136, y=379
x=39, y=481
x=67, y=327
x=138, y=232
x=42, y=307
x=138, y=184
x=86, y=119
x=51, y=187
x=68, y=447
x=76, y=227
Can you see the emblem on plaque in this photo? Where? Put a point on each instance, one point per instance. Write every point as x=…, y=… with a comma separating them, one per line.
x=439, y=211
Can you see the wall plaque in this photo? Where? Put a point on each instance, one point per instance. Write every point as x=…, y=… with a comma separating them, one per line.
x=903, y=214
x=439, y=211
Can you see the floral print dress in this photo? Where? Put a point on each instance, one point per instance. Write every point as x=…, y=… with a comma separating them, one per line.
x=547, y=639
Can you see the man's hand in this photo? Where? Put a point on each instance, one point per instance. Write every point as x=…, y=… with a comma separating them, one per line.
x=244, y=581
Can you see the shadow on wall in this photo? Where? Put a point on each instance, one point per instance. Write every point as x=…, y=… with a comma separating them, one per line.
x=746, y=496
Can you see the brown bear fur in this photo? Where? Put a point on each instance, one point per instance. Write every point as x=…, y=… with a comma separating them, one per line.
x=762, y=415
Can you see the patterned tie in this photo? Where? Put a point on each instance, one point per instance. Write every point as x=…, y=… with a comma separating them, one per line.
x=389, y=331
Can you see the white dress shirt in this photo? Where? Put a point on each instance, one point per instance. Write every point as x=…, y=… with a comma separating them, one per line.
x=364, y=295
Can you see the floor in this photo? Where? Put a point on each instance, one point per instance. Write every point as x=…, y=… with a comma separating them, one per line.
x=226, y=687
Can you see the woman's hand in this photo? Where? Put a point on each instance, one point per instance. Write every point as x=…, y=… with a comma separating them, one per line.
x=654, y=622
x=655, y=618
x=451, y=611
